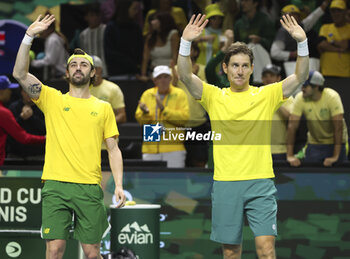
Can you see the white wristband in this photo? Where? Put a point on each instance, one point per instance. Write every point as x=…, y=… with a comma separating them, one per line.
x=303, y=49
x=27, y=40
x=185, y=47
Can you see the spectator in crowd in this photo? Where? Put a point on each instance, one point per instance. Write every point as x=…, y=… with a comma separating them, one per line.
x=272, y=8
x=123, y=40
x=91, y=38
x=284, y=47
x=76, y=125
x=166, y=105
x=272, y=74
x=108, y=91
x=327, y=132
x=177, y=13
x=254, y=26
x=55, y=53
x=211, y=39
x=31, y=119
x=230, y=9
x=334, y=43
x=8, y=124
x=197, y=152
x=161, y=44
x=305, y=6
x=219, y=79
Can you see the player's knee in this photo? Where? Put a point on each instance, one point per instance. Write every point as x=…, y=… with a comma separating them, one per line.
x=232, y=251
x=92, y=254
x=266, y=250
x=55, y=252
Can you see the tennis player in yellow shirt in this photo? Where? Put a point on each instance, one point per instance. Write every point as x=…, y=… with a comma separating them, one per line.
x=76, y=125
x=243, y=174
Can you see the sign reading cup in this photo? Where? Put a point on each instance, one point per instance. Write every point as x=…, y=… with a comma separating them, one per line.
x=20, y=203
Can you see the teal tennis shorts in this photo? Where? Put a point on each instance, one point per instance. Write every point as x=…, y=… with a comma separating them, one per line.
x=233, y=199
x=67, y=206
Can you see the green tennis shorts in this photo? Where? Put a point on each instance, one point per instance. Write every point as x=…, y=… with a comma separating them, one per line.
x=67, y=206
x=233, y=199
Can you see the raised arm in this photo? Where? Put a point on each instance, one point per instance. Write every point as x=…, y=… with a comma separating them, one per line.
x=301, y=73
x=184, y=65
x=29, y=82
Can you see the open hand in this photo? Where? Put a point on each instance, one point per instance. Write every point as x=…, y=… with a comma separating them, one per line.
x=293, y=28
x=40, y=25
x=120, y=196
x=195, y=27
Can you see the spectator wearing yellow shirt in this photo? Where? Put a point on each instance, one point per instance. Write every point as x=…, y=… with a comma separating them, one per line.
x=166, y=105
x=334, y=43
x=165, y=6
x=327, y=132
x=108, y=91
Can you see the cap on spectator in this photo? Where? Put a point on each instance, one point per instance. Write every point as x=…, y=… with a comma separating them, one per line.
x=213, y=10
x=290, y=9
x=315, y=78
x=340, y=4
x=271, y=68
x=5, y=83
x=97, y=61
x=158, y=70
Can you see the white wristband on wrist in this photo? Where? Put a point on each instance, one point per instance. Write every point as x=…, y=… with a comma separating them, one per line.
x=303, y=49
x=185, y=47
x=27, y=40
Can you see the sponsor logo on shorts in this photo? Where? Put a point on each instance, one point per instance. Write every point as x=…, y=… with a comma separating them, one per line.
x=274, y=226
x=135, y=234
x=13, y=249
x=46, y=230
x=66, y=109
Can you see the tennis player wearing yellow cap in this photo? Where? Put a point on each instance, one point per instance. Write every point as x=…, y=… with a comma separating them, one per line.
x=76, y=125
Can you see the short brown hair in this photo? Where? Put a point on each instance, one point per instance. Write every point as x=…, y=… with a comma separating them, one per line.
x=238, y=48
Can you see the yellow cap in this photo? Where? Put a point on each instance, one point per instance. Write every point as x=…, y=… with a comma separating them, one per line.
x=340, y=4
x=290, y=9
x=86, y=56
x=213, y=10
